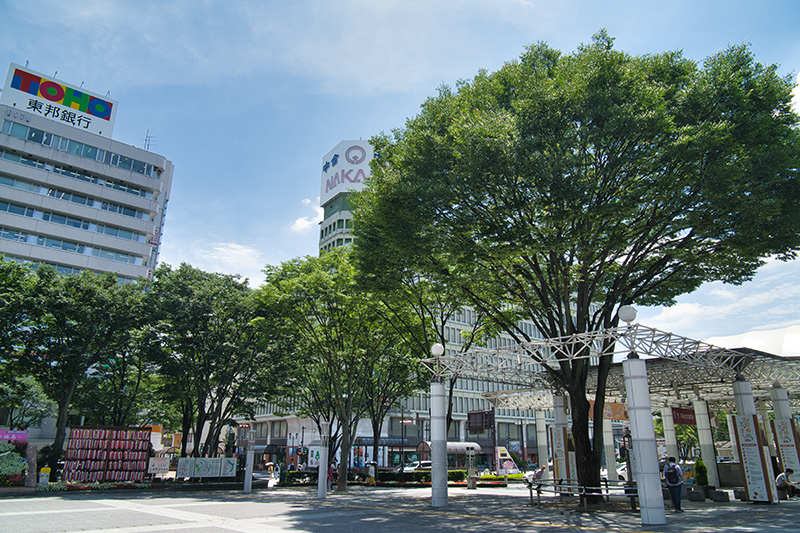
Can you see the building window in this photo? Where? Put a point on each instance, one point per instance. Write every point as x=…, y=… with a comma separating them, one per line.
x=278, y=429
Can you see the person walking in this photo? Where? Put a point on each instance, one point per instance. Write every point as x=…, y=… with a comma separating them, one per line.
x=674, y=477
x=371, y=474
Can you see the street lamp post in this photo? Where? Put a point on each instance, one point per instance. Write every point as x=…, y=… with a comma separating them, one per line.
x=438, y=437
x=248, y=470
x=322, y=480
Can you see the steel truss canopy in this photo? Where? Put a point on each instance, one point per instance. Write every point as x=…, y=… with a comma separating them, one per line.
x=679, y=369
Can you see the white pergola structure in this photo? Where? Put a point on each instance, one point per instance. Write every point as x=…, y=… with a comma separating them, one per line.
x=676, y=368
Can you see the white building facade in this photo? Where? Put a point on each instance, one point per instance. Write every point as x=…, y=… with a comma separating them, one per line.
x=70, y=195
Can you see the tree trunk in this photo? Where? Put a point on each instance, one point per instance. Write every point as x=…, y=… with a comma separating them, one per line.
x=61, y=424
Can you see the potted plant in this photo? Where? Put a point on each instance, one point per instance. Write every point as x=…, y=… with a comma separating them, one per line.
x=701, y=477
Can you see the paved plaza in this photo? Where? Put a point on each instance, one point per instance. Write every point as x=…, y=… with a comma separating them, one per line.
x=361, y=509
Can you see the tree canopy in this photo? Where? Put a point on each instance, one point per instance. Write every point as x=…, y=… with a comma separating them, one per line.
x=561, y=187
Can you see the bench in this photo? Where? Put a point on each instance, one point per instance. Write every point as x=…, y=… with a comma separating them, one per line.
x=564, y=488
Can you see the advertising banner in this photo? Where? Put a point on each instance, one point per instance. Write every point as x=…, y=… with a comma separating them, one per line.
x=45, y=96
x=158, y=465
x=185, y=467
x=206, y=467
x=558, y=442
x=759, y=482
x=785, y=431
x=227, y=467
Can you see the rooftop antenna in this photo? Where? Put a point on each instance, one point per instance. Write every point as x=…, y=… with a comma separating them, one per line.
x=81, y=85
x=55, y=74
x=26, y=63
x=148, y=140
x=108, y=93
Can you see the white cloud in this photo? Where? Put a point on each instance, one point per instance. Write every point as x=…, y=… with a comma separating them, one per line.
x=222, y=257
x=232, y=256
x=770, y=301
x=304, y=224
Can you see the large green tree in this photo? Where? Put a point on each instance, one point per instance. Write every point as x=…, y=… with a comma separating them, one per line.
x=71, y=324
x=346, y=351
x=565, y=186
x=214, y=355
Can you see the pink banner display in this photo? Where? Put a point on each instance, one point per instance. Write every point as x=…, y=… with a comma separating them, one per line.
x=757, y=473
x=13, y=435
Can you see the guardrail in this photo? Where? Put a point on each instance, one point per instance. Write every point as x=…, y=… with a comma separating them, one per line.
x=564, y=488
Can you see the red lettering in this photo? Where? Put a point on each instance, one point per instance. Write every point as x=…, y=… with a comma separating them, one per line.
x=361, y=177
x=346, y=175
x=22, y=80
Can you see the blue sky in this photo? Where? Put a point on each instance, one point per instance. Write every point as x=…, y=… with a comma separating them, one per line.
x=246, y=97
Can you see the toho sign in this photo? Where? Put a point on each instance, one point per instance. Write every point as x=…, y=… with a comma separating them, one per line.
x=345, y=169
x=59, y=101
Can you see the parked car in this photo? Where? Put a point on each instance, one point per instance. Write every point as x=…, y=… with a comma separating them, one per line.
x=417, y=465
x=622, y=472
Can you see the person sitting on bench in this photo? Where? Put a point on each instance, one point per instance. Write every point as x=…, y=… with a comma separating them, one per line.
x=784, y=483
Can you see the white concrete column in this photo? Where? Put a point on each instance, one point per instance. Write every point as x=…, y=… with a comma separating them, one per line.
x=643, y=438
x=707, y=450
x=560, y=410
x=523, y=439
x=611, y=451
x=763, y=411
x=438, y=446
x=248, y=467
x=322, y=481
x=780, y=401
x=743, y=397
x=734, y=447
x=670, y=436
x=541, y=441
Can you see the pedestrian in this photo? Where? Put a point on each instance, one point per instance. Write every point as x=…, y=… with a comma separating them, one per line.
x=330, y=476
x=674, y=477
x=371, y=474
x=532, y=477
x=783, y=482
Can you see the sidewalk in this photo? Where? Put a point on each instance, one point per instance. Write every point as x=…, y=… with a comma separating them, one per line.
x=511, y=506
x=361, y=508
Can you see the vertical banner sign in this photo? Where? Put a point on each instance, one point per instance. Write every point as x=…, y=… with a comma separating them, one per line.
x=558, y=443
x=785, y=431
x=757, y=472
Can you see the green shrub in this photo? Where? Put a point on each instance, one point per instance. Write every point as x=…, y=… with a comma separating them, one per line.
x=700, y=473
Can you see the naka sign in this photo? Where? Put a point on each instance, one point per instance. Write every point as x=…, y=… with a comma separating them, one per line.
x=56, y=100
x=345, y=169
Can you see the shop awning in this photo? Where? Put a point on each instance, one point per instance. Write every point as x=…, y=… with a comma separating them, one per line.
x=452, y=447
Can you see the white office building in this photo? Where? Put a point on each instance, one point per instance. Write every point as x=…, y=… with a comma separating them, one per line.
x=70, y=195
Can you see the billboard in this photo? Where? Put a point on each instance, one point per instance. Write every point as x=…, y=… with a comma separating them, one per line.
x=59, y=101
x=345, y=169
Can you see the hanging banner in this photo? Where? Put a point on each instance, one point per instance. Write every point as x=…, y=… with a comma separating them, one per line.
x=683, y=416
x=757, y=470
x=611, y=411
x=785, y=431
